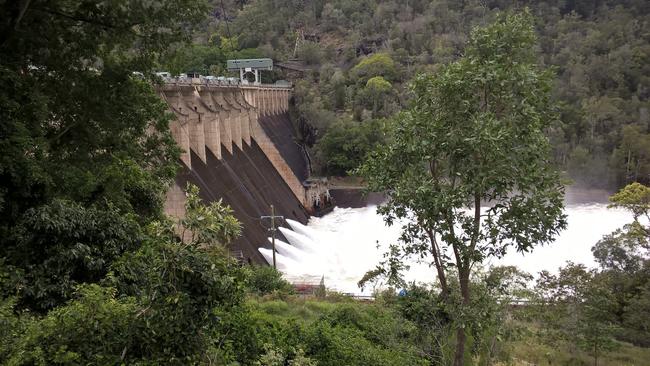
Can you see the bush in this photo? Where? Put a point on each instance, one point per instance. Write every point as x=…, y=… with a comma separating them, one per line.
x=378, y=64
x=346, y=143
x=310, y=52
x=93, y=329
x=61, y=245
x=346, y=344
x=265, y=280
x=11, y=325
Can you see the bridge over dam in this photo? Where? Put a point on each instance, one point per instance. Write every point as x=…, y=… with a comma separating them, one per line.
x=239, y=145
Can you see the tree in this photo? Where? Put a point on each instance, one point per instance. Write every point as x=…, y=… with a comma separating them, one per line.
x=379, y=64
x=468, y=163
x=157, y=306
x=624, y=257
x=578, y=307
x=345, y=144
x=86, y=154
x=377, y=92
x=310, y=52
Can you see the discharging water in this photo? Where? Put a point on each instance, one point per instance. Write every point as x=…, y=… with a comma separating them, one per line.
x=346, y=243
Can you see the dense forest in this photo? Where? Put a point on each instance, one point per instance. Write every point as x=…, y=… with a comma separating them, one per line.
x=359, y=56
x=445, y=105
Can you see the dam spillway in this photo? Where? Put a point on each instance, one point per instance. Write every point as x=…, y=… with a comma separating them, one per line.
x=239, y=146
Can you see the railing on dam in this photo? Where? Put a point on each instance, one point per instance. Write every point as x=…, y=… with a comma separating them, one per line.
x=222, y=82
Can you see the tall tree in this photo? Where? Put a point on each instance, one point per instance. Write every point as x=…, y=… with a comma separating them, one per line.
x=85, y=151
x=468, y=164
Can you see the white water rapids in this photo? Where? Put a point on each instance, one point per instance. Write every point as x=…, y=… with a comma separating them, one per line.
x=346, y=243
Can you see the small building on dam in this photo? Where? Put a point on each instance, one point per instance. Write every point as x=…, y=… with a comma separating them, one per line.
x=239, y=146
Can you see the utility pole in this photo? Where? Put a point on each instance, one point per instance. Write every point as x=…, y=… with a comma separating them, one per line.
x=272, y=230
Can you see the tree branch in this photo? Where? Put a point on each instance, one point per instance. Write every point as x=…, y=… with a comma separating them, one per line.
x=97, y=22
x=19, y=10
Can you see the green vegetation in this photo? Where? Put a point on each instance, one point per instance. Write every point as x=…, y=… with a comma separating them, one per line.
x=92, y=272
x=598, y=50
x=473, y=138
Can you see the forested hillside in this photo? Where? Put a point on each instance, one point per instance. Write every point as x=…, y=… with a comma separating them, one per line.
x=359, y=57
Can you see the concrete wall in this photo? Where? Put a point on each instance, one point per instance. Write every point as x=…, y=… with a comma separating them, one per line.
x=230, y=156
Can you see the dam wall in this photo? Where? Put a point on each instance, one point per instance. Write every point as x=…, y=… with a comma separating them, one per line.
x=239, y=146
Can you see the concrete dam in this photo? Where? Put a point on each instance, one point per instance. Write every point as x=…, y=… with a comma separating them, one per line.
x=239, y=145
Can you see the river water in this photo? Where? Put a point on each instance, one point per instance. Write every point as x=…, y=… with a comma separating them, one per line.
x=346, y=243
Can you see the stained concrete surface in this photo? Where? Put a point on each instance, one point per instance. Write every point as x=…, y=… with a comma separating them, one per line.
x=247, y=181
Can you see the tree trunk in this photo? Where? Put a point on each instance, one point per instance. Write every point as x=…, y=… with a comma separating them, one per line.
x=461, y=337
x=459, y=357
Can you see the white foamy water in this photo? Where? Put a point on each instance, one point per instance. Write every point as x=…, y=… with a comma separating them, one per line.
x=346, y=243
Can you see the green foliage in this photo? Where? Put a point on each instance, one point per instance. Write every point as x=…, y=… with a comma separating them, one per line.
x=310, y=52
x=378, y=84
x=624, y=250
x=275, y=357
x=266, y=280
x=60, y=245
x=474, y=134
x=635, y=198
x=179, y=287
x=95, y=328
x=204, y=59
x=599, y=50
x=86, y=151
x=11, y=326
x=346, y=143
x=624, y=257
x=378, y=64
x=158, y=305
x=376, y=96
x=210, y=225
x=579, y=308
x=330, y=333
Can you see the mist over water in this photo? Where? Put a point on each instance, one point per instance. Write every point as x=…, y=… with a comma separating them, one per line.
x=346, y=243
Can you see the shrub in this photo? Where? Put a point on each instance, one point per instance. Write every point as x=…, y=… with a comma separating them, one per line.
x=93, y=329
x=265, y=280
x=378, y=64
x=346, y=143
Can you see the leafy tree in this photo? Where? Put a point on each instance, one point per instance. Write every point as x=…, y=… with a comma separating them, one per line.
x=60, y=245
x=635, y=148
x=468, y=164
x=345, y=144
x=157, y=306
x=86, y=154
x=377, y=91
x=266, y=279
x=378, y=64
x=578, y=308
x=624, y=250
x=311, y=53
x=211, y=225
x=635, y=198
x=624, y=257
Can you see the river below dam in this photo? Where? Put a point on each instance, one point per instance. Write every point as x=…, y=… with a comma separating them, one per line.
x=346, y=243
